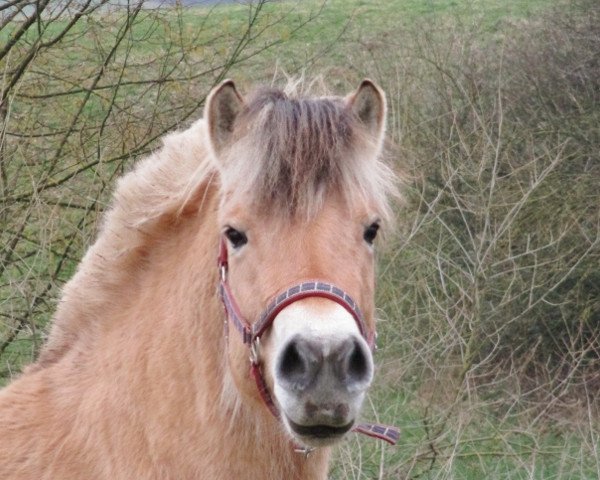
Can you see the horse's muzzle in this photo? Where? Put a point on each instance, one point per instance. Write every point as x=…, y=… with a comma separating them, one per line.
x=321, y=371
x=307, y=363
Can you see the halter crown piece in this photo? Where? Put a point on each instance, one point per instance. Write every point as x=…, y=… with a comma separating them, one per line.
x=251, y=333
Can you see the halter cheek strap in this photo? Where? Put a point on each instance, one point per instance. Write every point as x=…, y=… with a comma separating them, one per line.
x=251, y=333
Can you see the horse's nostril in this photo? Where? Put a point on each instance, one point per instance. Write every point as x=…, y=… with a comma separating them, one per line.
x=291, y=363
x=358, y=367
x=305, y=362
x=298, y=364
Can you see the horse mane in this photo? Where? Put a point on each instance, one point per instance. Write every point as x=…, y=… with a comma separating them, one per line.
x=300, y=148
x=155, y=191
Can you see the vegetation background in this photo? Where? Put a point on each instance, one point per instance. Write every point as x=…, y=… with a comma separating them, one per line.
x=489, y=288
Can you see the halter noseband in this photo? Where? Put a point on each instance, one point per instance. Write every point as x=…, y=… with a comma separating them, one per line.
x=251, y=333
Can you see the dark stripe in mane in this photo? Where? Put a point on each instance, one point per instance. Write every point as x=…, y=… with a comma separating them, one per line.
x=302, y=145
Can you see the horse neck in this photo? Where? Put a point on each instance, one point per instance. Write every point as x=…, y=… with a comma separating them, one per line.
x=189, y=356
x=162, y=349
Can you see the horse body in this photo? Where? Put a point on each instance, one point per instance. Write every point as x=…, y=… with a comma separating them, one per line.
x=137, y=379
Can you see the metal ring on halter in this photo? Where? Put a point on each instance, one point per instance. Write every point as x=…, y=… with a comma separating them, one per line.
x=255, y=351
x=306, y=451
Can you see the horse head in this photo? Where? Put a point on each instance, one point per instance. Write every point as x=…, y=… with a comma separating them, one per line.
x=303, y=195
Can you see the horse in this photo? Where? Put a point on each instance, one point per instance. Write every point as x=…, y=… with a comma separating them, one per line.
x=222, y=324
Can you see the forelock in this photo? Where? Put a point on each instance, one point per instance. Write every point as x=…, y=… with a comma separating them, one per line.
x=290, y=151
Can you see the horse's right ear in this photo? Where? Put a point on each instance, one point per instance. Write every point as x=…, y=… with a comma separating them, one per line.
x=222, y=108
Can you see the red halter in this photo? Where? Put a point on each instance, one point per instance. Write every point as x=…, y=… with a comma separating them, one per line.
x=251, y=333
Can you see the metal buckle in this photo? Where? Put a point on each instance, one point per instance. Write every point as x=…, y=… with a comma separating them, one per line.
x=306, y=451
x=255, y=351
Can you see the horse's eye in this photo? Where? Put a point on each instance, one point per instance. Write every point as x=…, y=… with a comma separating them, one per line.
x=237, y=238
x=371, y=233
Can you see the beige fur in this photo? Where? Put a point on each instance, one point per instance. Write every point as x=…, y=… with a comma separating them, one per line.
x=135, y=381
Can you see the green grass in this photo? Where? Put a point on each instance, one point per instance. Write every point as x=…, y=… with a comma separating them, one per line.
x=207, y=30
x=475, y=443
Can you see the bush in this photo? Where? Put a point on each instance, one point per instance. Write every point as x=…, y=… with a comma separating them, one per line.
x=499, y=265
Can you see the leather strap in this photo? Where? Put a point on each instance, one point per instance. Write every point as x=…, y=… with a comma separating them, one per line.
x=251, y=333
x=386, y=433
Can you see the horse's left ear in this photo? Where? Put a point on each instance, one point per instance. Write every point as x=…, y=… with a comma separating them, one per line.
x=369, y=106
x=222, y=108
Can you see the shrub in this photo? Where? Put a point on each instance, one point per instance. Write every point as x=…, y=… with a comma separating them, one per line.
x=497, y=270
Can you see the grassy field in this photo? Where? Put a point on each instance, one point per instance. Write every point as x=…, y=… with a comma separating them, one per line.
x=488, y=293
